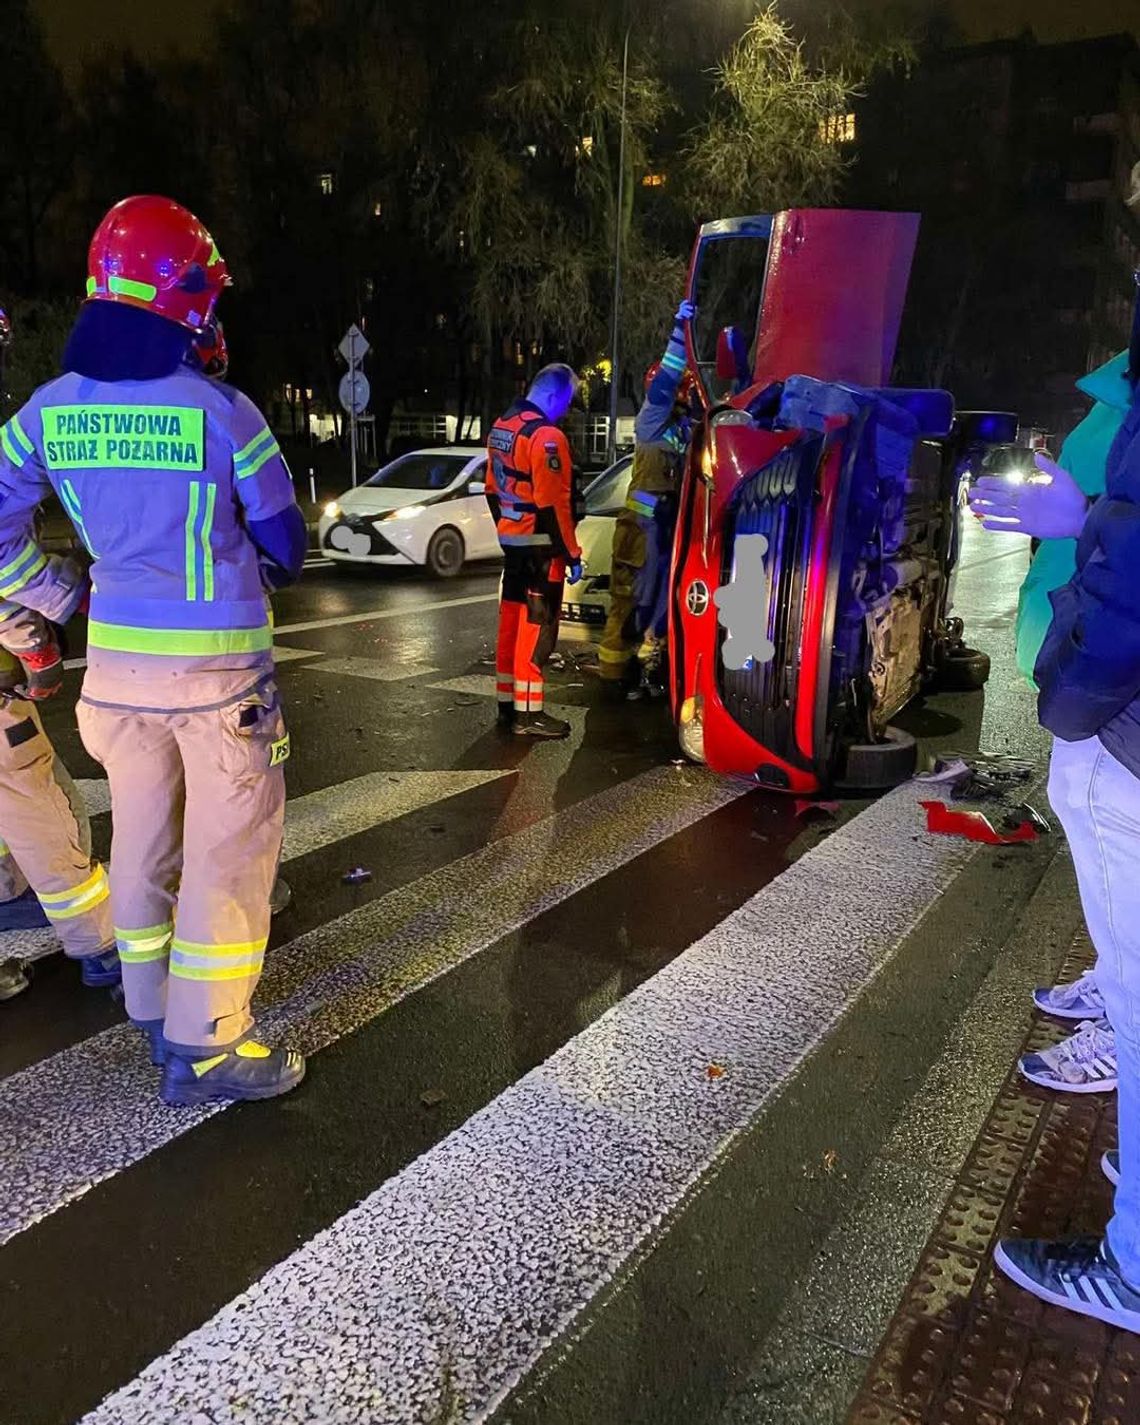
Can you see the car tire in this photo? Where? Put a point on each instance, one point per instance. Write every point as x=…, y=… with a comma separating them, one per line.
x=879, y=766
x=962, y=670
x=445, y=553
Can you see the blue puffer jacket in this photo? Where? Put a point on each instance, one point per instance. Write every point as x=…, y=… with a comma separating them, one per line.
x=1088, y=670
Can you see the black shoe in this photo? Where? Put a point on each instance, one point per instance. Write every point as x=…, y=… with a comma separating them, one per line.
x=540, y=725
x=506, y=717
x=13, y=979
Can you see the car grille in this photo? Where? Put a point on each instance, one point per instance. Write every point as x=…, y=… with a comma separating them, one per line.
x=777, y=501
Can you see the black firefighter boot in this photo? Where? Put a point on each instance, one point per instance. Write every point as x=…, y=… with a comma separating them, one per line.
x=540, y=724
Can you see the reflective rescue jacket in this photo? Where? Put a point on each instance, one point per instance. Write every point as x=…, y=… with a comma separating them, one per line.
x=530, y=482
x=159, y=478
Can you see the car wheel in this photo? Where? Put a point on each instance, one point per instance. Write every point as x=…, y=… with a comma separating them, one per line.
x=878, y=766
x=445, y=553
x=962, y=670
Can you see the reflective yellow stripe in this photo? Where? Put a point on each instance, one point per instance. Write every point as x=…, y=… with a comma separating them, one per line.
x=203, y=1066
x=191, y=547
x=178, y=642
x=89, y=902
x=207, y=551
x=25, y=566
x=97, y=876
x=247, y=470
x=222, y=972
x=147, y=933
x=141, y=946
x=246, y=451
x=4, y=849
x=246, y=947
x=612, y=655
x=28, y=550
x=17, y=446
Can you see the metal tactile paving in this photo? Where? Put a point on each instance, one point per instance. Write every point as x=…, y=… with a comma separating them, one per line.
x=967, y=1347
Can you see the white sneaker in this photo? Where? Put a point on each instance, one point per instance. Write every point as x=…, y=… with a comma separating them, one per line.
x=1083, y=1063
x=1080, y=1000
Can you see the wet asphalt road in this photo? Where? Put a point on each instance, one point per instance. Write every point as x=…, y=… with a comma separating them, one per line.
x=389, y=675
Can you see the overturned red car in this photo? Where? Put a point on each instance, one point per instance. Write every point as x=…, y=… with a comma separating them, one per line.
x=818, y=528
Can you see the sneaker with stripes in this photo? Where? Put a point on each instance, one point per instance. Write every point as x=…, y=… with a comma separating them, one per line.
x=1081, y=999
x=1083, y=1063
x=1079, y=1275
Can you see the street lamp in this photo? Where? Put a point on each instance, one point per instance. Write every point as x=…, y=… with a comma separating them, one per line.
x=611, y=443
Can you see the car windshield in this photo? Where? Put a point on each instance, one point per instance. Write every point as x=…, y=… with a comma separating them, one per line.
x=606, y=495
x=419, y=471
x=729, y=288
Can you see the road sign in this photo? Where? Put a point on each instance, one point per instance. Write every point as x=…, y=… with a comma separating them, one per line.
x=354, y=391
x=354, y=347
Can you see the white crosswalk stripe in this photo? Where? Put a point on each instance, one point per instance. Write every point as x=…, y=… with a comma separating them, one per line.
x=73, y=1134
x=311, y=822
x=529, y=1210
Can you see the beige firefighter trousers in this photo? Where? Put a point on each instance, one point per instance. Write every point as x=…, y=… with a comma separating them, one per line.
x=45, y=837
x=198, y=805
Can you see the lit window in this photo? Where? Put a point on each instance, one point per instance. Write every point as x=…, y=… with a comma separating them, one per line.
x=838, y=128
x=653, y=180
x=585, y=146
x=377, y=209
x=328, y=183
x=531, y=150
x=441, y=320
x=369, y=289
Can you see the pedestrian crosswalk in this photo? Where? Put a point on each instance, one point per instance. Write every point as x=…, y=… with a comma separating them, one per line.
x=574, y=979
x=475, y=1256
x=453, y=1278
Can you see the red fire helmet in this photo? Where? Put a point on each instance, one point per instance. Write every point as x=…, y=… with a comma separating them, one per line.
x=150, y=252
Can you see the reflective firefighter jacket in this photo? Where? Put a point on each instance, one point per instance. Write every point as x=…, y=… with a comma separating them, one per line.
x=159, y=479
x=530, y=482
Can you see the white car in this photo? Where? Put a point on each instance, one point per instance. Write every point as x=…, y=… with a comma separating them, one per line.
x=586, y=605
x=426, y=508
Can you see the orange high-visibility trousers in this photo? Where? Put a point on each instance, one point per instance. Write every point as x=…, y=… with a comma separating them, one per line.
x=528, y=625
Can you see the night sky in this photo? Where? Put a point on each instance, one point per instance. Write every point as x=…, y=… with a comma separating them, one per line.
x=76, y=28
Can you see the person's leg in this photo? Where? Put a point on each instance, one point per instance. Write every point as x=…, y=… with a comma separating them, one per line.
x=50, y=842
x=1098, y=802
x=538, y=634
x=510, y=616
x=144, y=771
x=235, y=816
x=619, y=638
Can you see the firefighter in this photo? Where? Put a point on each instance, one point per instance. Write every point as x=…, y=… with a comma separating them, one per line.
x=47, y=876
x=178, y=489
x=530, y=491
x=209, y=354
x=643, y=540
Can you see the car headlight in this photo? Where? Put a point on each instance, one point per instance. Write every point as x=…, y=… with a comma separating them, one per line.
x=407, y=513
x=691, y=732
x=332, y=509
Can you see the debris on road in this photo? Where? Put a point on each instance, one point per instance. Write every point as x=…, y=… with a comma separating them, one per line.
x=942, y=820
x=357, y=876
x=432, y=1098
